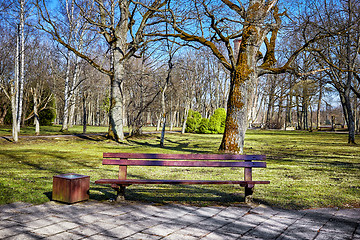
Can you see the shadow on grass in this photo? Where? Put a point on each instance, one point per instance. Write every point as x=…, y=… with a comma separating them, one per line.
x=47, y=160
x=94, y=137
x=181, y=147
x=7, y=139
x=48, y=195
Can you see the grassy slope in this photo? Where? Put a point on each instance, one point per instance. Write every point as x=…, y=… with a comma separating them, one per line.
x=306, y=170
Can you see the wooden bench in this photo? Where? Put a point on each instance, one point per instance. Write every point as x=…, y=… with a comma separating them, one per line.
x=181, y=160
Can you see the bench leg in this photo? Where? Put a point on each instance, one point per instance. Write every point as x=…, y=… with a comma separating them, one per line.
x=248, y=194
x=120, y=192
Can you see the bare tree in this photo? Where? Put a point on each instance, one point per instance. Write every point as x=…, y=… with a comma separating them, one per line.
x=339, y=54
x=115, y=21
x=217, y=27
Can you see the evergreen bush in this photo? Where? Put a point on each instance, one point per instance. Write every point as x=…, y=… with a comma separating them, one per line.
x=48, y=115
x=217, y=121
x=204, y=126
x=193, y=121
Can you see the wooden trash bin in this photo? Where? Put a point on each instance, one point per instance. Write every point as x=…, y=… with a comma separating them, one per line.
x=70, y=188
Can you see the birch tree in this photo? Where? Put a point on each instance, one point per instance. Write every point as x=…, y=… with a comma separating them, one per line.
x=17, y=87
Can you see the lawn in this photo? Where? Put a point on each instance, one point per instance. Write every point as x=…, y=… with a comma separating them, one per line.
x=306, y=170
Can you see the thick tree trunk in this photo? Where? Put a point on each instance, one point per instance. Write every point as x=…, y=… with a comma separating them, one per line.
x=116, y=98
x=74, y=92
x=236, y=118
x=243, y=75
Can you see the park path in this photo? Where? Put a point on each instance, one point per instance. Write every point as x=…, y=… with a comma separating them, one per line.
x=79, y=135
x=105, y=220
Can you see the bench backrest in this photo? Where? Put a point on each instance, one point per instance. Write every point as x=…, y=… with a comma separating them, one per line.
x=227, y=160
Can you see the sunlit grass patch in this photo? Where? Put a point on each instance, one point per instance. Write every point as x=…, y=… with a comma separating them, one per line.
x=306, y=170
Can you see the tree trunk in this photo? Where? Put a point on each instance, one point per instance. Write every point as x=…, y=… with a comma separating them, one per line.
x=116, y=98
x=36, y=113
x=65, y=126
x=356, y=119
x=289, y=104
x=14, y=108
x=22, y=63
x=242, y=79
x=311, y=118
x=318, y=112
x=350, y=66
x=3, y=114
x=84, y=113
x=236, y=117
x=158, y=122
x=74, y=92
x=350, y=120
x=298, y=114
x=15, y=91
x=163, y=114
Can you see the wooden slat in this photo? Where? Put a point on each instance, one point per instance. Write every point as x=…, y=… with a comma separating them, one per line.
x=161, y=181
x=125, y=162
x=184, y=156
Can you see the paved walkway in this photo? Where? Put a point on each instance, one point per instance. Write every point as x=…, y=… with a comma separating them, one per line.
x=95, y=220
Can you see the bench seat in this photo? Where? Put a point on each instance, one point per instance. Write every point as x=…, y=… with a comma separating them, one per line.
x=164, y=181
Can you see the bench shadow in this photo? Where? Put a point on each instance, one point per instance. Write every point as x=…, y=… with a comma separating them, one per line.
x=182, y=194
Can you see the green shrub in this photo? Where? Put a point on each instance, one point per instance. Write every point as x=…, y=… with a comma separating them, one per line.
x=217, y=121
x=193, y=121
x=204, y=126
x=48, y=115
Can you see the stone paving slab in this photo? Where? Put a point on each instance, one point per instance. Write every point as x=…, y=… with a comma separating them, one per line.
x=105, y=220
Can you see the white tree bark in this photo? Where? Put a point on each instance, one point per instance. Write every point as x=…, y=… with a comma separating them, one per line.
x=74, y=91
x=15, y=91
x=186, y=112
x=65, y=118
x=117, y=97
x=22, y=63
x=163, y=114
x=14, y=106
x=36, y=111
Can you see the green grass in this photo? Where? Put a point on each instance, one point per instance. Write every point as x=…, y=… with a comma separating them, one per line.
x=306, y=170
